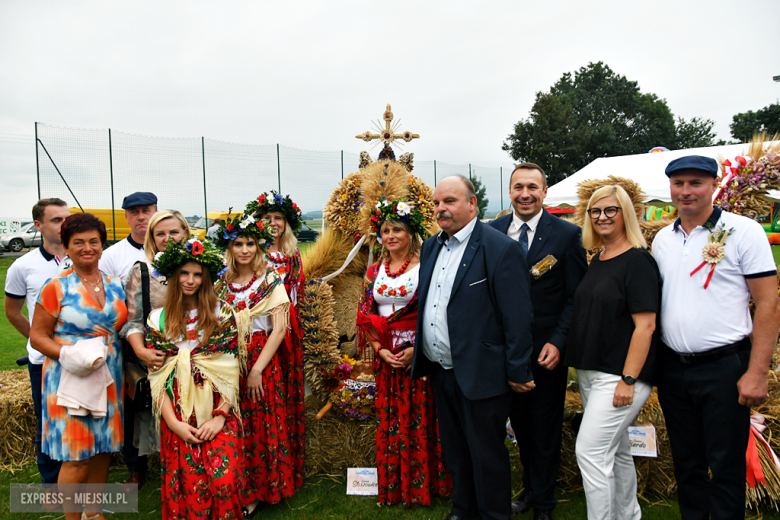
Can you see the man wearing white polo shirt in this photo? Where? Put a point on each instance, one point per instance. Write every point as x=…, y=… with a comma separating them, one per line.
x=23, y=281
x=710, y=373
x=120, y=258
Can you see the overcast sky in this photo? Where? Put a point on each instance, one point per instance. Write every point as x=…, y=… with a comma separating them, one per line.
x=313, y=74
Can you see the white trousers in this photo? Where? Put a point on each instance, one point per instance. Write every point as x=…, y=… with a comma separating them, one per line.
x=603, y=449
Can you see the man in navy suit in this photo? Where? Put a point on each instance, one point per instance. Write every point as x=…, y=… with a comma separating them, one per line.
x=474, y=342
x=537, y=417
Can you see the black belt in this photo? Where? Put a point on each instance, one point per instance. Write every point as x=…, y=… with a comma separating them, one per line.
x=710, y=355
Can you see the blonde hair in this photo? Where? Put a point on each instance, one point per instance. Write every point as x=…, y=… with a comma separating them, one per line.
x=414, y=241
x=592, y=240
x=286, y=243
x=257, y=265
x=150, y=247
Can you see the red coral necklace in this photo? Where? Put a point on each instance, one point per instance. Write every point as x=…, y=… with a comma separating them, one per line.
x=243, y=288
x=400, y=271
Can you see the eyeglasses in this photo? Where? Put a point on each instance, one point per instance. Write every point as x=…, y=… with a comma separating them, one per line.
x=609, y=212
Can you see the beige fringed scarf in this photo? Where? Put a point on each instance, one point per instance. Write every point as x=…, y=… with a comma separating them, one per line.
x=276, y=305
x=220, y=370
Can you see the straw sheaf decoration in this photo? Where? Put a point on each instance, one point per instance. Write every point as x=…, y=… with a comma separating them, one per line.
x=343, y=208
x=390, y=181
x=320, y=340
x=745, y=193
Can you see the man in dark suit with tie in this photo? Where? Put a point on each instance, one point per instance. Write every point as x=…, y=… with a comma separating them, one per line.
x=537, y=417
x=474, y=342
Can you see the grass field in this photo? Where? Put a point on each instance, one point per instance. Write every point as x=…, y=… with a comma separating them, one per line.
x=12, y=344
x=322, y=496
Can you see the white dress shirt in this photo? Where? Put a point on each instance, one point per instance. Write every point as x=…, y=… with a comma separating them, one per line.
x=436, y=336
x=517, y=223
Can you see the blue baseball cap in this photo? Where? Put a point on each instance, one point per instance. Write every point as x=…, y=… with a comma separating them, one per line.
x=139, y=198
x=707, y=165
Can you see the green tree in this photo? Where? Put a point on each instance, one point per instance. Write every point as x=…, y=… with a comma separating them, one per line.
x=745, y=124
x=596, y=113
x=695, y=133
x=482, y=200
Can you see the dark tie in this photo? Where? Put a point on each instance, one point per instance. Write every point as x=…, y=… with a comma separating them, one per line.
x=523, y=239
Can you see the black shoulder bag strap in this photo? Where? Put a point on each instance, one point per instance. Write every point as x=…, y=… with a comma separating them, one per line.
x=145, y=291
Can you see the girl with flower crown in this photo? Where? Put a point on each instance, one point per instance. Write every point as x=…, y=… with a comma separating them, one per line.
x=195, y=391
x=409, y=461
x=283, y=257
x=261, y=309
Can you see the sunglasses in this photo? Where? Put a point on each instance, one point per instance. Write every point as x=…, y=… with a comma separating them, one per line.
x=609, y=212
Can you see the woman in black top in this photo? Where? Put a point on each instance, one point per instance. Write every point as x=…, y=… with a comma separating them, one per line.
x=612, y=346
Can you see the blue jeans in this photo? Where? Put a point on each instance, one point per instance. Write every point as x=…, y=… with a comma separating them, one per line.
x=48, y=467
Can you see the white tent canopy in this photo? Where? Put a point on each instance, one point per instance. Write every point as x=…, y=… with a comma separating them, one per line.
x=647, y=169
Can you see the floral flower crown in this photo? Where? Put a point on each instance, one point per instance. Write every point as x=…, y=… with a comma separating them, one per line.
x=243, y=225
x=398, y=210
x=277, y=204
x=177, y=254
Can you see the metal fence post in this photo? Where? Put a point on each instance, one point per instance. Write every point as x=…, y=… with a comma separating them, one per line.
x=470, y=171
x=205, y=193
x=434, y=173
x=37, y=166
x=501, y=185
x=111, y=172
x=278, y=169
x=342, y=165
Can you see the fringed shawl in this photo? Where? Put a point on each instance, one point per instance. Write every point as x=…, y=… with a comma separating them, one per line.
x=215, y=362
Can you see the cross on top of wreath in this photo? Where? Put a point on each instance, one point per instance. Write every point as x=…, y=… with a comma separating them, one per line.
x=387, y=134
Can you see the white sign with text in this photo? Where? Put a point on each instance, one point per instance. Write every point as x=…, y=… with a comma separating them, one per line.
x=8, y=226
x=643, y=441
x=362, y=481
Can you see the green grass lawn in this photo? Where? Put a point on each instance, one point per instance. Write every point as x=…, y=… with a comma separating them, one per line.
x=12, y=344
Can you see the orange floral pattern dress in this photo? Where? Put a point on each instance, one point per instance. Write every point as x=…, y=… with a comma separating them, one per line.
x=80, y=317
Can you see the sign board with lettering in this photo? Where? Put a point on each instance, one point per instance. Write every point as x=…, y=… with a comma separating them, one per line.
x=362, y=481
x=8, y=226
x=643, y=441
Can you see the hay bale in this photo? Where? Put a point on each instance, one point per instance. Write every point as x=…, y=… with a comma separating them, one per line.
x=334, y=443
x=17, y=421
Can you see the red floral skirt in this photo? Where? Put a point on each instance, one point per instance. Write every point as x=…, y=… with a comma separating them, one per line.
x=408, y=455
x=268, y=464
x=201, y=480
x=296, y=407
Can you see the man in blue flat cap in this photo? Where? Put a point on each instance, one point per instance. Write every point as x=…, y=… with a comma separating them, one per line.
x=710, y=373
x=118, y=260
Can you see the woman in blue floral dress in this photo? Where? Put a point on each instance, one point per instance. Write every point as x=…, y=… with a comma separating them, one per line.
x=79, y=304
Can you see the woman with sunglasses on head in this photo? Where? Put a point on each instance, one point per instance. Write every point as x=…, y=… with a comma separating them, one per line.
x=410, y=466
x=140, y=430
x=284, y=258
x=612, y=345
x=261, y=307
x=195, y=391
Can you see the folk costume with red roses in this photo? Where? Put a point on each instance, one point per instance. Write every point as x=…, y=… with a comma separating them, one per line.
x=261, y=307
x=409, y=460
x=200, y=375
x=284, y=259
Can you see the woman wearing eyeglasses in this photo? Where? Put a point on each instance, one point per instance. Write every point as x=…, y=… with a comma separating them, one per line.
x=612, y=346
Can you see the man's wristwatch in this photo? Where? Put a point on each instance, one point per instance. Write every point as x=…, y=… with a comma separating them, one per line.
x=628, y=380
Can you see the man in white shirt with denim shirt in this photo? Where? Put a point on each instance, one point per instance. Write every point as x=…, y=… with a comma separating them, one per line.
x=710, y=373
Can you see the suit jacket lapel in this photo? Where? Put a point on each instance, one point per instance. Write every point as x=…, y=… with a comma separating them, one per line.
x=541, y=235
x=468, y=256
x=427, y=263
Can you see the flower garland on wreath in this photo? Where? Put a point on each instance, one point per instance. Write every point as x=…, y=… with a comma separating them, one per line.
x=177, y=254
x=277, y=204
x=244, y=225
x=398, y=210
